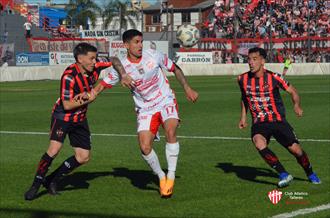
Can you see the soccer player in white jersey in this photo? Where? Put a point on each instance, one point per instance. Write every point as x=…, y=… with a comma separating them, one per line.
x=155, y=103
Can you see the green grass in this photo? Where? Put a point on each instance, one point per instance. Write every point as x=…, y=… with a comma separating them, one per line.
x=215, y=177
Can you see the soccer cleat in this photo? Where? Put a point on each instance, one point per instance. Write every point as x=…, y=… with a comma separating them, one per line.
x=168, y=189
x=162, y=184
x=31, y=193
x=314, y=179
x=285, y=179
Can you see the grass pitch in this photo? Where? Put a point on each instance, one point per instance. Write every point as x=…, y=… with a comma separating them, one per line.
x=219, y=174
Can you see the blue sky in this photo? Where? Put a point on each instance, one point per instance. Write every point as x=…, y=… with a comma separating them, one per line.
x=66, y=1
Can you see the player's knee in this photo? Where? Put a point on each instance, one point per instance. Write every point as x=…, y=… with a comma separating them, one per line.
x=171, y=135
x=53, y=151
x=83, y=158
x=295, y=149
x=259, y=142
x=145, y=149
x=54, y=148
x=260, y=145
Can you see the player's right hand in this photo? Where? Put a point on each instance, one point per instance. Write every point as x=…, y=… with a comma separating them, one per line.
x=81, y=97
x=191, y=94
x=85, y=96
x=127, y=81
x=298, y=110
x=242, y=124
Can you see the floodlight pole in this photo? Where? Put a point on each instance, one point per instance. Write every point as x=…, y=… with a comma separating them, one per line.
x=308, y=37
x=166, y=20
x=172, y=30
x=142, y=17
x=120, y=22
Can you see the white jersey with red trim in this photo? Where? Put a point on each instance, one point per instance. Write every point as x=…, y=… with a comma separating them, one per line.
x=152, y=90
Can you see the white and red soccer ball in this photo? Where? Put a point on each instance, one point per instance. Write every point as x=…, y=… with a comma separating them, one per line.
x=187, y=35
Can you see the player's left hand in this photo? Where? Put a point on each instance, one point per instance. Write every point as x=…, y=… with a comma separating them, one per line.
x=127, y=81
x=191, y=94
x=298, y=110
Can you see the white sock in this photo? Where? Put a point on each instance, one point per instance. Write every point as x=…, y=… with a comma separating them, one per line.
x=172, y=153
x=153, y=162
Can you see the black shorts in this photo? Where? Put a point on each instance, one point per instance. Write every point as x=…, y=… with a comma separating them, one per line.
x=79, y=133
x=281, y=131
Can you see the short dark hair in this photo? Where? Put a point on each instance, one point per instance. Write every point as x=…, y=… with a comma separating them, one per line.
x=130, y=34
x=82, y=49
x=261, y=51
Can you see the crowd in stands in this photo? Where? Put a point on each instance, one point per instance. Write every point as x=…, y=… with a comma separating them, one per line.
x=266, y=19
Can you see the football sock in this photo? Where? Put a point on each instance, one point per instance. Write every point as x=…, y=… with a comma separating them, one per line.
x=153, y=162
x=65, y=168
x=172, y=153
x=42, y=169
x=304, y=163
x=272, y=160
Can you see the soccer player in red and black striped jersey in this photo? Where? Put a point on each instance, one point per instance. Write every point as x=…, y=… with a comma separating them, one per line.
x=69, y=115
x=261, y=95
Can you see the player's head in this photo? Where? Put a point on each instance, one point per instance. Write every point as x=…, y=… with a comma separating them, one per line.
x=85, y=55
x=133, y=42
x=256, y=59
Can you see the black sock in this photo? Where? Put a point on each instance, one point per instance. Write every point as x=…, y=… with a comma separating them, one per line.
x=65, y=168
x=272, y=160
x=304, y=163
x=42, y=169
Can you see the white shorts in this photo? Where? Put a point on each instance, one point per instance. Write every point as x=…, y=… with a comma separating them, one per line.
x=151, y=122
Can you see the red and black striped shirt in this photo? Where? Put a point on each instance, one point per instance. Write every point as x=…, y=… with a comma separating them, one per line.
x=73, y=82
x=262, y=96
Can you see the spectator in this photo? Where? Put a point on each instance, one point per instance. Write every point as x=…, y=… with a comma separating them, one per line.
x=62, y=30
x=29, y=17
x=270, y=18
x=27, y=25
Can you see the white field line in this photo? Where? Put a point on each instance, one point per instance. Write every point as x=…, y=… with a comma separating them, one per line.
x=303, y=211
x=183, y=137
x=222, y=92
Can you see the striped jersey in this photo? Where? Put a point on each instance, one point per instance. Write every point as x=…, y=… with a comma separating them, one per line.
x=152, y=90
x=73, y=82
x=262, y=96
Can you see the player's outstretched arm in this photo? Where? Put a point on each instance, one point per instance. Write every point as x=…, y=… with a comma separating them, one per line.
x=125, y=79
x=88, y=97
x=242, y=123
x=79, y=100
x=295, y=100
x=191, y=94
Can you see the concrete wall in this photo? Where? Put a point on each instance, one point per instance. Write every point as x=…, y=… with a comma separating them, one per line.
x=55, y=72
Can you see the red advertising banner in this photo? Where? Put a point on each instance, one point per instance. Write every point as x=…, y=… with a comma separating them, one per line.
x=65, y=45
x=240, y=45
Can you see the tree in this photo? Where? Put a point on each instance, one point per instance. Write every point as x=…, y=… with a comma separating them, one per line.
x=81, y=10
x=121, y=10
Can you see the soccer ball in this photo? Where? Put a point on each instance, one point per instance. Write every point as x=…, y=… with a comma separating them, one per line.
x=187, y=35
